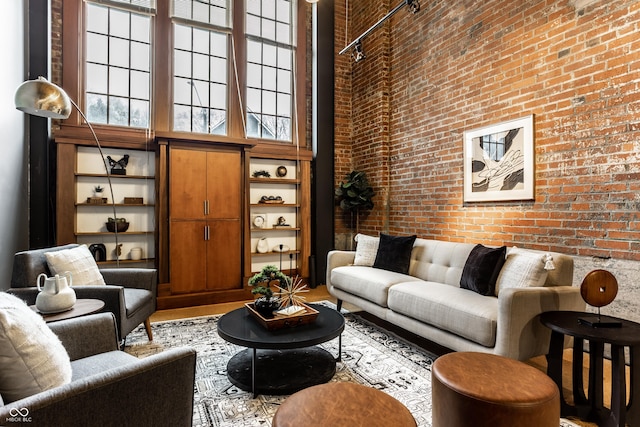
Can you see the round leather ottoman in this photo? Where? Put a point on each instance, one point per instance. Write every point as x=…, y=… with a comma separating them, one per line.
x=342, y=404
x=485, y=390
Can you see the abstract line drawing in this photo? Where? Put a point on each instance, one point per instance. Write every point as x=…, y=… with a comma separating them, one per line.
x=498, y=162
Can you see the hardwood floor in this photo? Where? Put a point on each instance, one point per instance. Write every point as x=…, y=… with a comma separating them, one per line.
x=320, y=293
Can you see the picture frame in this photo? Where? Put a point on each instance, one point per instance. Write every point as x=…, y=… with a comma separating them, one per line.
x=499, y=162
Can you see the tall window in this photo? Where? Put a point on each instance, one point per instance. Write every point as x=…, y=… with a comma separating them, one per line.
x=118, y=66
x=270, y=36
x=200, y=66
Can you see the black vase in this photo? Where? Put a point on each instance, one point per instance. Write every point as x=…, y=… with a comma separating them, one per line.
x=266, y=306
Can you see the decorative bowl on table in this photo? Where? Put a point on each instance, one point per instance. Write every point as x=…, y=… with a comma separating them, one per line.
x=119, y=224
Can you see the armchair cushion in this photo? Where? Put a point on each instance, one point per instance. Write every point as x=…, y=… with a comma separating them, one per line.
x=32, y=358
x=79, y=261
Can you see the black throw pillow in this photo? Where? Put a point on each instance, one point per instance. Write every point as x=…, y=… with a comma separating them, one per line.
x=482, y=268
x=394, y=253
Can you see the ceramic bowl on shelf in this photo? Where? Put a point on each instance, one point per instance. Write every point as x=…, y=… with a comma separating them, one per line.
x=119, y=224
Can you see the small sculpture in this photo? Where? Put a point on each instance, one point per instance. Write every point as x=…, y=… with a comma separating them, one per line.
x=119, y=167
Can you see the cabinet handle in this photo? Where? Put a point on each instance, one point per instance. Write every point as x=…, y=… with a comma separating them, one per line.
x=205, y=207
x=207, y=233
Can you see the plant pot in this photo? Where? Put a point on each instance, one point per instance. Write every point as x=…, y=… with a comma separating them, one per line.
x=266, y=306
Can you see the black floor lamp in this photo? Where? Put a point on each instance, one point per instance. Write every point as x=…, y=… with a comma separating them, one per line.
x=44, y=99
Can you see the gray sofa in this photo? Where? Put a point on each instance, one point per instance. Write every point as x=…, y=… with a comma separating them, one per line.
x=429, y=301
x=110, y=387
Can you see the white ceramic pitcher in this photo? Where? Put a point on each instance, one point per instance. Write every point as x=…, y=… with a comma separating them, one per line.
x=55, y=294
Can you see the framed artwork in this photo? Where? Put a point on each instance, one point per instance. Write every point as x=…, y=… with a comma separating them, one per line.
x=498, y=162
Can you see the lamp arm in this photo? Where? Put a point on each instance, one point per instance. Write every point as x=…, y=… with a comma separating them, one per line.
x=108, y=173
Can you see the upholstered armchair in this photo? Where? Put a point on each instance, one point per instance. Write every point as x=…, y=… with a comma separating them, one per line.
x=110, y=387
x=130, y=293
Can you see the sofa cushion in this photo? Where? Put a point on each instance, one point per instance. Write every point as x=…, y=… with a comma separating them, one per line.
x=32, y=358
x=366, y=282
x=522, y=269
x=482, y=268
x=459, y=311
x=79, y=261
x=366, y=250
x=394, y=253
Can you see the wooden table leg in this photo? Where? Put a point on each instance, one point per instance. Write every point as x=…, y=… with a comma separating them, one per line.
x=579, y=398
x=554, y=368
x=633, y=409
x=596, y=392
x=618, y=388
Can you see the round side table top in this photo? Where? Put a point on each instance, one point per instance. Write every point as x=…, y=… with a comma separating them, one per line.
x=82, y=307
x=568, y=323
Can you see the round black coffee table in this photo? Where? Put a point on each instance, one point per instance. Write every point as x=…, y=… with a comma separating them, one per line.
x=590, y=406
x=288, y=360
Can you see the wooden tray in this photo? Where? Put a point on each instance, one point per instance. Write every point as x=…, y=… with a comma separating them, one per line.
x=279, y=321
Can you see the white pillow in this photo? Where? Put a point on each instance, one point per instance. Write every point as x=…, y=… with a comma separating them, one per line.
x=32, y=358
x=366, y=250
x=79, y=261
x=522, y=269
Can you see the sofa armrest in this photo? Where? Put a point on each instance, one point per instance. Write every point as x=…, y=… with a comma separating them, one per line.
x=157, y=390
x=337, y=259
x=87, y=335
x=520, y=334
x=140, y=278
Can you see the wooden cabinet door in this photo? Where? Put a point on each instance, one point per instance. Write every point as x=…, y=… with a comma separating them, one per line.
x=188, y=256
x=224, y=255
x=224, y=191
x=187, y=183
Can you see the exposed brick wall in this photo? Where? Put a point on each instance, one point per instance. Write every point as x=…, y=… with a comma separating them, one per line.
x=56, y=41
x=458, y=65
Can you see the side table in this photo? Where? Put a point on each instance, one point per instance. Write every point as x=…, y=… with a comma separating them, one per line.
x=82, y=307
x=590, y=406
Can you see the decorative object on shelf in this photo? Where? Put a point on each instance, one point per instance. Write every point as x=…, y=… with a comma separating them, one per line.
x=98, y=251
x=281, y=248
x=118, y=250
x=262, y=282
x=97, y=200
x=135, y=254
x=44, y=99
x=282, y=222
x=271, y=199
x=119, y=225
x=261, y=174
x=119, y=167
x=354, y=195
x=263, y=246
x=55, y=293
x=281, y=172
x=258, y=221
x=599, y=288
x=97, y=191
x=133, y=200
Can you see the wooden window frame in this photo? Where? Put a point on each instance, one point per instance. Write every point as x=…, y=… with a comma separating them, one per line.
x=162, y=77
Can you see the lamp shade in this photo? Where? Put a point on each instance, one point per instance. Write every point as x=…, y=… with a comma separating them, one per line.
x=43, y=98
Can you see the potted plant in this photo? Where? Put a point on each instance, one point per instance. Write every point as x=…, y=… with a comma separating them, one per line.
x=355, y=194
x=269, y=276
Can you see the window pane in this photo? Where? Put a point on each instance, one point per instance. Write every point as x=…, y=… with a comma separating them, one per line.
x=269, y=55
x=139, y=85
x=254, y=52
x=269, y=78
x=253, y=7
x=268, y=102
x=284, y=81
x=284, y=105
x=181, y=37
x=285, y=56
x=97, y=48
x=119, y=52
x=253, y=25
x=119, y=23
x=118, y=81
x=97, y=19
x=96, y=78
x=196, y=72
x=140, y=56
x=282, y=32
x=214, y=12
x=181, y=63
x=254, y=103
x=96, y=108
x=269, y=9
x=268, y=29
x=117, y=68
x=283, y=12
x=254, y=75
x=118, y=111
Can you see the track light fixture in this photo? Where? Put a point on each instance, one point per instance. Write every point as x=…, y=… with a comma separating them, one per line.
x=358, y=52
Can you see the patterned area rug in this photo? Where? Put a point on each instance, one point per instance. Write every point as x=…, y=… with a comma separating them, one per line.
x=370, y=355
